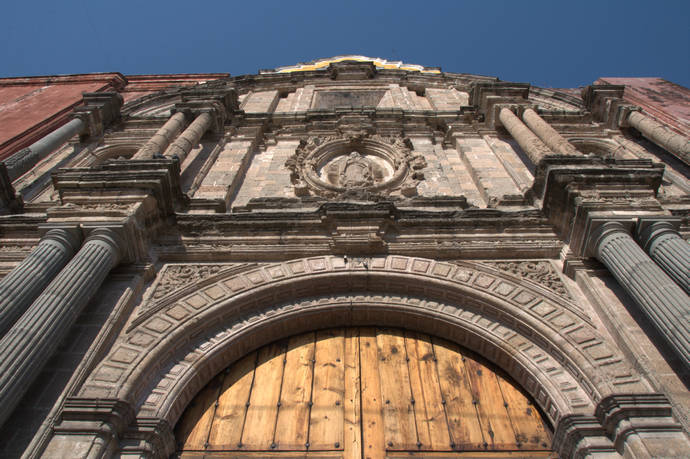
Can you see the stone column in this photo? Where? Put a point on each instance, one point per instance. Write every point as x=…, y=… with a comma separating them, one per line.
x=547, y=134
x=22, y=161
x=669, y=250
x=26, y=348
x=534, y=148
x=27, y=280
x=190, y=137
x=659, y=298
x=162, y=138
x=660, y=135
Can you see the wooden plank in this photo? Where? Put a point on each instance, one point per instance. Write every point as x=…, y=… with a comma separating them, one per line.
x=530, y=429
x=293, y=414
x=432, y=427
x=197, y=420
x=263, y=403
x=372, y=407
x=463, y=420
x=400, y=431
x=496, y=425
x=351, y=415
x=226, y=431
x=327, y=411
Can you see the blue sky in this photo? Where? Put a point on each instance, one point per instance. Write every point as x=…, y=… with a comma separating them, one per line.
x=546, y=43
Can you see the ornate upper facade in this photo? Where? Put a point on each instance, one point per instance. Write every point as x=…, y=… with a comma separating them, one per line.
x=167, y=241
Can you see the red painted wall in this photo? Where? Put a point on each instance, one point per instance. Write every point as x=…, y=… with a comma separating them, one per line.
x=665, y=101
x=32, y=107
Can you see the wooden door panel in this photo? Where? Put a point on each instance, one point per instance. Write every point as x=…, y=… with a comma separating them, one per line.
x=362, y=393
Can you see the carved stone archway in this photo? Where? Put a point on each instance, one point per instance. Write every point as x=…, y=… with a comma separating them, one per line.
x=184, y=338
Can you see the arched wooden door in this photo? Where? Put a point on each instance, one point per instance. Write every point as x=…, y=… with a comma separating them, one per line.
x=362, y=392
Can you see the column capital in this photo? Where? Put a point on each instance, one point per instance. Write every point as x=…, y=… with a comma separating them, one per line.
x=68, y=235
x=220, y=104
x=600, y=227
x=648, y=229
x=486, y=96
x=99, y=110
x=113, y=236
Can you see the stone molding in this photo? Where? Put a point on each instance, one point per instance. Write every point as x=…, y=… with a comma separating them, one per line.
x=170, y=350
x=156, y=177
x=616, y=418
x=574, y=188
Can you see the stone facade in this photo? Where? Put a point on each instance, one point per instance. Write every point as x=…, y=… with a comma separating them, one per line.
x=159, y=228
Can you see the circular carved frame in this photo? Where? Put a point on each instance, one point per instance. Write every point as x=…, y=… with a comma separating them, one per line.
x=314, y=153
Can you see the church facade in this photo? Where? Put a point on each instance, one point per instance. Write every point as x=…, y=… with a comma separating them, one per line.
x=351, y=258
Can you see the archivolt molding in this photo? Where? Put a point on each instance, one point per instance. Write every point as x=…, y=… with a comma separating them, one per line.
x=176, y=280
x=171, y=350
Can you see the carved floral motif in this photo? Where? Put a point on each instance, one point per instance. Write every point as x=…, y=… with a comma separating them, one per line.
x=178, y=276
x=540, y=272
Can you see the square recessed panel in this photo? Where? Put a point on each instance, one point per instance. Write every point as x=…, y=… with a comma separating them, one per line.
x=328, y=100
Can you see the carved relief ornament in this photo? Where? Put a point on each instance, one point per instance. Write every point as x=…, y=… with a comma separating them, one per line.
x=334, y=165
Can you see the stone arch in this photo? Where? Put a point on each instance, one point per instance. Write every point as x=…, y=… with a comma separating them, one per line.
x=101, y=154
x=177, y=344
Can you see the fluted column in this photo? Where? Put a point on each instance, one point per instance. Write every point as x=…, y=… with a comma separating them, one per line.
x=190, y=137
x=669, y=250
x=162, y=138
x=25, y=159
x=660, y=135
x=26, y=348
x=533, y=147
x=26, y=281
x=547, y=134
x=659, y=298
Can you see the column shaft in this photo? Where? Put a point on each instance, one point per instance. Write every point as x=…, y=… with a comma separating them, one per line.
x=669, y=250
x=26, y=348
x=26, y=281
x=534, y=148
x=547, y=134
x=162, y=138
x=25, y=159
x=660, y=135
x=190, y=137
x=659, y=298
